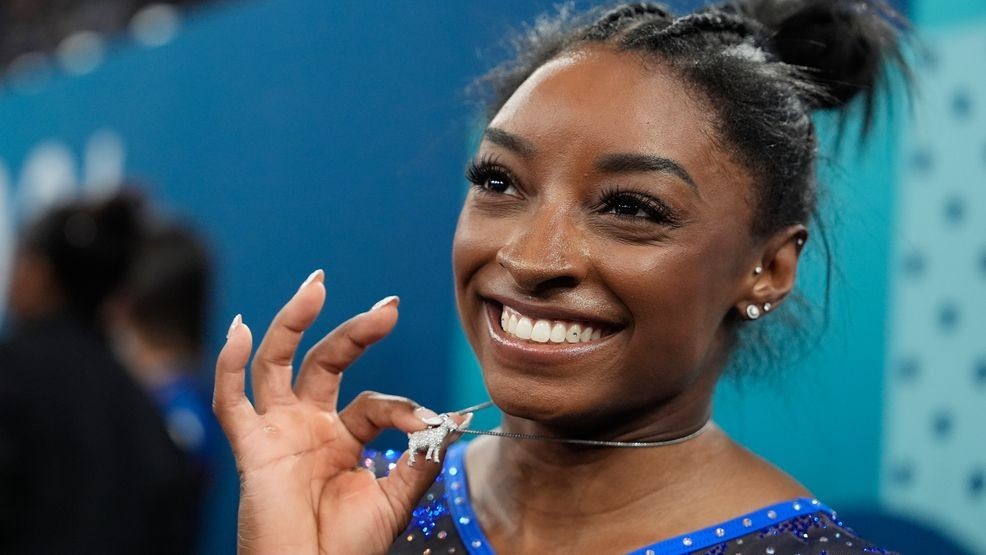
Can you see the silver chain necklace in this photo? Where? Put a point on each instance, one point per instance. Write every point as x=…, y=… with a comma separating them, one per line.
x=430, y=440
x=593, y=442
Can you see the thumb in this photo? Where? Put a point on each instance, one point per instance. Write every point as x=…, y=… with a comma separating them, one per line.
x=406, y=484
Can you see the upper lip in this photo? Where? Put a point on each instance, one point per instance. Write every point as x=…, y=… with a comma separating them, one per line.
x=555, y=312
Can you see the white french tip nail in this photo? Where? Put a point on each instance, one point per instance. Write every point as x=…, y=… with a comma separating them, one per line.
x=428, y=416
x=237, y=320
x=311, y=277
x=385, y=301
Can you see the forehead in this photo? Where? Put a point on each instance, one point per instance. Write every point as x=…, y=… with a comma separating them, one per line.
x=602, y=100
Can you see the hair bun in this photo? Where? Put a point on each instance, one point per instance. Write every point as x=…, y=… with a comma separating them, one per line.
x=841, y=44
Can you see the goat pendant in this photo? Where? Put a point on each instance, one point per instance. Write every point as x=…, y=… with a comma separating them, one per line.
x=430, y=440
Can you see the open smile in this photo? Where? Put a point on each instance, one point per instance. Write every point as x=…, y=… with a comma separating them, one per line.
x=547, y=330
x=534, y=336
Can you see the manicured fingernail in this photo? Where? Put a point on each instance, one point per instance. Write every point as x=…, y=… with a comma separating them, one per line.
x=237, y=320
x=465, y=423
x=312, y=277
x=428, y=416
x=393, y=299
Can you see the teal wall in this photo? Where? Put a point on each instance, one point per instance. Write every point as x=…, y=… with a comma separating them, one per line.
x=934, y=440
x=931, y=15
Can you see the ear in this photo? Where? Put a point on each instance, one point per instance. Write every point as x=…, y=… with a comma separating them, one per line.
x=774, y=271
x=33, y=289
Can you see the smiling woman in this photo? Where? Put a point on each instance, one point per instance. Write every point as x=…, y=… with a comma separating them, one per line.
x=642, y=194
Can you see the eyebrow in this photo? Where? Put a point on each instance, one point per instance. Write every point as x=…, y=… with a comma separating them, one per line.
x=609, y=163
x=521, y=146
x=631, y=163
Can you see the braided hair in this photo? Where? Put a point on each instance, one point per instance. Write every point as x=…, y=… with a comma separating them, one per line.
x=763, y=65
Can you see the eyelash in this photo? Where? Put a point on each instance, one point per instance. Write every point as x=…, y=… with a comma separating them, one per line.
x=656, y=210
x=480, y=171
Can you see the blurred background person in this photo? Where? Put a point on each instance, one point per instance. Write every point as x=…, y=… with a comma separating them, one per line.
x=157, y=327
x=86, y=465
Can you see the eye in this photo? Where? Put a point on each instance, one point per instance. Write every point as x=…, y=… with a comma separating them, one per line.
x=626, y=205
x=636, y=205
x=488, y=175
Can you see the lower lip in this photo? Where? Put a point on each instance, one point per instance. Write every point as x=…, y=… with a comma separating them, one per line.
x=522, y=350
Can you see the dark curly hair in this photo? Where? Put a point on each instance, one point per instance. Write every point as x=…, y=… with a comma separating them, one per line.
x=762, y=67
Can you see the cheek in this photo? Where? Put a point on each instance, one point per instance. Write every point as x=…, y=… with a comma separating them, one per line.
x=473, y=245
x=474, y=249
x=677, y=298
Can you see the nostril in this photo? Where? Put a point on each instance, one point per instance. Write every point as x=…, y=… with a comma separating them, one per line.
x=540, y=266
x=504, y=259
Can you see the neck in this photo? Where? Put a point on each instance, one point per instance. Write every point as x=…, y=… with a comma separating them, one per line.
x=526, y=492
x=531, y=461
x=531, y=477
x=153, y=365
x=538, y=497
x=533, y=504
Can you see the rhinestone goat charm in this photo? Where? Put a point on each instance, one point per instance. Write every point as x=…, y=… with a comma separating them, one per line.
x=430, y=440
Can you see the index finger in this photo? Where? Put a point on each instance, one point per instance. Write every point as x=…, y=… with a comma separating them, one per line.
x=229, y=400
x=321, y=370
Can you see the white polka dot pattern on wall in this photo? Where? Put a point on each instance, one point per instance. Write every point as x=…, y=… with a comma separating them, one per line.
x=934, y=455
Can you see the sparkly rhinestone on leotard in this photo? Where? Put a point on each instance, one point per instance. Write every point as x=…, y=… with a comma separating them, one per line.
x=444, y=523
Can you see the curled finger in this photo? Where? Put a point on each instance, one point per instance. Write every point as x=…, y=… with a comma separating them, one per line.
x=371, y=413
x=321, y=370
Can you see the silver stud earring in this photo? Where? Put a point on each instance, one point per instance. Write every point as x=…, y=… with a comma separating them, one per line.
x=800, y=241
x=752, y=312
x=767, y=307
x=758, y=270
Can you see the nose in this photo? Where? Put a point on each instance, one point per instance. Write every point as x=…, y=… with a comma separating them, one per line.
x=545, y=252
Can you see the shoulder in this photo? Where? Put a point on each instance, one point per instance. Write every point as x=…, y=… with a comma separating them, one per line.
x=60, y=346
x=736, y=481
x=778, y=514
x=798, y=526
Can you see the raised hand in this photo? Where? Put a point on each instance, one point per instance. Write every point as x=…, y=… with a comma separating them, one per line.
x=302, y=489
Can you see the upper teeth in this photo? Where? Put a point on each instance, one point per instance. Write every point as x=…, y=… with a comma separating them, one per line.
x=543, y=331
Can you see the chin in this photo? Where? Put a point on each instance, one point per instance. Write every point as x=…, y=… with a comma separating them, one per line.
x=524, y=398
x=552, y=403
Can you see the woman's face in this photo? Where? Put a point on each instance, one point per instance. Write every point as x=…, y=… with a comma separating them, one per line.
x=602, y=201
